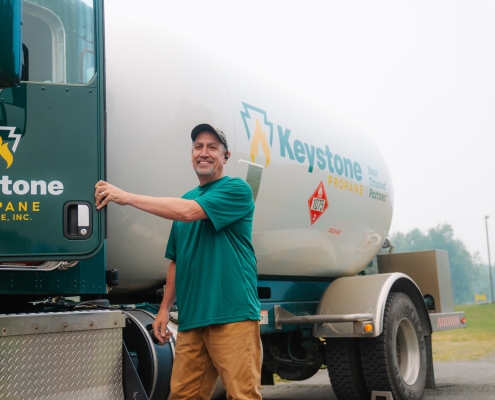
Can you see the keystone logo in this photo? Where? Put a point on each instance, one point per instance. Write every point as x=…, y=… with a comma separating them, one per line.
x=5, y=152
x=260, y=132
x=257, y=127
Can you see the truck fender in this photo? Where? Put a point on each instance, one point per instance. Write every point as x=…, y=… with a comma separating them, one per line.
x=365, y=294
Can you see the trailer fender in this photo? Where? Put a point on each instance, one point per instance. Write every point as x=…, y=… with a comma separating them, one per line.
x=365, y=294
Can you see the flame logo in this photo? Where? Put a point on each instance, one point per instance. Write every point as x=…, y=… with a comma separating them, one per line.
x=259, y=137
x=5, y=153
x=320, y=192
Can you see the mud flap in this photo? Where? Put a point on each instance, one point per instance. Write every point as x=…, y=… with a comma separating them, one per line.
x=430, y=373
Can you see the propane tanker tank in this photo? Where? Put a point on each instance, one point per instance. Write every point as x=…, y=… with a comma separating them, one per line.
x=325, y=200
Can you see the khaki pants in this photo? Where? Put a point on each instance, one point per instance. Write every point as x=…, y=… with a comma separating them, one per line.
x=229, y=350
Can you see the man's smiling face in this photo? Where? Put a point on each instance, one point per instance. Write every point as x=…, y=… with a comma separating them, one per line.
x=208, y=157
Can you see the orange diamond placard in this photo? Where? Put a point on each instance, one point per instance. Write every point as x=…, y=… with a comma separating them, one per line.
x=317, y=203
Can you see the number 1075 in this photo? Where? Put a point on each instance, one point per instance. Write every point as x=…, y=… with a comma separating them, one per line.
x=318, y=204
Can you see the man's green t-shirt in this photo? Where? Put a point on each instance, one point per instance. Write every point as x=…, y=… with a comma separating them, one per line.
x=216, y=275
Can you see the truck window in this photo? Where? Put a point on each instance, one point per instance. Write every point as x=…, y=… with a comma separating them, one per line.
x=58, y=36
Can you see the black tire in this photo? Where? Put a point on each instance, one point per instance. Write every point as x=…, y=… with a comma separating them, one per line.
x=395, y=361
x=344, y=369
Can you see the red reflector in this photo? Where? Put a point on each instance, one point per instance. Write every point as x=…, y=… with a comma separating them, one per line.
x=463, y=320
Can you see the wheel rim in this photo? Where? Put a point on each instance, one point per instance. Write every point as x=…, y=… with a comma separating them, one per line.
x=408, y=355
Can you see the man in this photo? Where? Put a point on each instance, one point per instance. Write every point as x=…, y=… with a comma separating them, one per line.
x=212, y=275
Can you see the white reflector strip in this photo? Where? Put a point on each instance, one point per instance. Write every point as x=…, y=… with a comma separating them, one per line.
x=443, y=322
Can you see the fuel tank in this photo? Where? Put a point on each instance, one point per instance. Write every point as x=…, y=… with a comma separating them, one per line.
x=325, y=199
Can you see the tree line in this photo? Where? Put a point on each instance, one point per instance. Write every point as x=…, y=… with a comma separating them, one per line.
x=469, y=276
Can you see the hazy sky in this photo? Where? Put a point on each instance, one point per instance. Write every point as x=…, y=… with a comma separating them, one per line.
x=418, y=77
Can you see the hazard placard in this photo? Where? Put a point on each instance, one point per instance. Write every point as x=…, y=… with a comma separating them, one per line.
x=317, y=203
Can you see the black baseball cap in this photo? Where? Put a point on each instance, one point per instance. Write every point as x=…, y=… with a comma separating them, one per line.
x=208, y=128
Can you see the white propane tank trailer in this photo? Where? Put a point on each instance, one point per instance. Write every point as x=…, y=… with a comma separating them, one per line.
x=87, y=94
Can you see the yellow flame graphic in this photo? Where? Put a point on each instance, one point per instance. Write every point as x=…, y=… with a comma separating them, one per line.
x=260, y=137
x=5, y=153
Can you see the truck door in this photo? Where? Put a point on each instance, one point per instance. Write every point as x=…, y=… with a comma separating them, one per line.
x=52, y=136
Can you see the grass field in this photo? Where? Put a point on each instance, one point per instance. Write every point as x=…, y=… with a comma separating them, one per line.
x=472, y=343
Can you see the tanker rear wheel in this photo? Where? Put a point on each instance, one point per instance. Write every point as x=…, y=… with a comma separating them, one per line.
x=344, y=369
x=395, y=361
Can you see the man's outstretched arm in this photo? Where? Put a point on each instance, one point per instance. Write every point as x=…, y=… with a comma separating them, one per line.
x=172, y=208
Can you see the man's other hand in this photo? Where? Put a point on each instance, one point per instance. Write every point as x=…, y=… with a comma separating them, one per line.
x=160, y=327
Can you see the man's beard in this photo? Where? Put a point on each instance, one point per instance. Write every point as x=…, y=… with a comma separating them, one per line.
x=203, y=172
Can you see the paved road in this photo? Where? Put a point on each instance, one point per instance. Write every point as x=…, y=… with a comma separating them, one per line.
x=464, y=380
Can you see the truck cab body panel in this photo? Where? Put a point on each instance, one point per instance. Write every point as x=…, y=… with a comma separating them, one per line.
x=52, y=138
